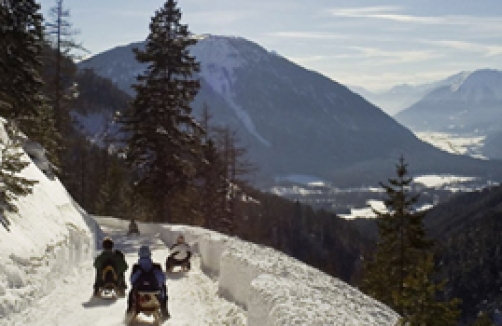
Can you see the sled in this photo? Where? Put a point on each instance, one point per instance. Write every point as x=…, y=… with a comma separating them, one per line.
x=179, y=256
x=147, y=304
x=175, y=267
x=110, y=291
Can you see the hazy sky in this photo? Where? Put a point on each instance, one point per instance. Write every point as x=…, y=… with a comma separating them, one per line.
x=369, y=43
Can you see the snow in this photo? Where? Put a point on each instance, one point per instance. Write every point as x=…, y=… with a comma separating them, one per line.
x=97, y=126
x=453, y=143
x=379, y=206
x=307, y=180
x=46, y=273
x=365, y=212
x=438, y=181
x=220, y=62
x=458, y=83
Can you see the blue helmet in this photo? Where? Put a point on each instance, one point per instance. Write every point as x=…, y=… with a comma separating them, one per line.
x=144, y=252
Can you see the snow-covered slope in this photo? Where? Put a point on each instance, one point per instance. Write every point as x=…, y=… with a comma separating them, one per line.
x=45, y=240
x=473, y=105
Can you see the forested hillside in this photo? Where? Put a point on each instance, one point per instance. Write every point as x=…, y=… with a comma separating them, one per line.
x=468, y=229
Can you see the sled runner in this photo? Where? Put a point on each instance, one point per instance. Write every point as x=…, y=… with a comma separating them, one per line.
x=146, y=303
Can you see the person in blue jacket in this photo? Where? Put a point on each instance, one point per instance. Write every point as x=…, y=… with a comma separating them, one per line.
x=148, y=276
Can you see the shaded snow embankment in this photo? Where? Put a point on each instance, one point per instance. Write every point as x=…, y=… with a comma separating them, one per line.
x=274, y=288
x=47, y=238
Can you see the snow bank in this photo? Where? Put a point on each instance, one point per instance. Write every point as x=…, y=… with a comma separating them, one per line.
x=275, y=288
x=47, y=238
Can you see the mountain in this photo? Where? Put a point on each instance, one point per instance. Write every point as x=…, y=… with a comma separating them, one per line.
x=292, y=120
x=471, y=106
x=492, y=146
x=403, y=96
x=94, y=108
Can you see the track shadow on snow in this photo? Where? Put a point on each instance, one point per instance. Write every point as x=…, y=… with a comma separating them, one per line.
x=98, y=302
x=175, y=275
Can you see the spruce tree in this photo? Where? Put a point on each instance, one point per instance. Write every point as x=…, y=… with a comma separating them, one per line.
x=61, y=89
x=400, y=273
x=212, y=188
x=21, y=95
x=163, y=146
x=12, y=185
x=483, y=320
x=419, y=299
x=20, y=59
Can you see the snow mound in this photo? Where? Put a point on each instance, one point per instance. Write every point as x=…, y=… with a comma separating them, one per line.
x=46, y=239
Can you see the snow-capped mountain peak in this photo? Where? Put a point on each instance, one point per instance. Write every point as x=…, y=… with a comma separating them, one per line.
x=220, y=57
x=458, y=80
x=227, y=51
x=470, y=104
x=485, y=79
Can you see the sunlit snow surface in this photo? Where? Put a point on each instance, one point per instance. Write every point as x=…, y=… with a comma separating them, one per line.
x=455, y=144
x=46, y=273
x=221, y=59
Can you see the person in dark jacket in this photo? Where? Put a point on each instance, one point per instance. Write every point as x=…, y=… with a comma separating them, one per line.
x=114, y=258
x=144, y=268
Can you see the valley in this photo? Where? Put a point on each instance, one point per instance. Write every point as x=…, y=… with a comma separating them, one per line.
x=356, y=202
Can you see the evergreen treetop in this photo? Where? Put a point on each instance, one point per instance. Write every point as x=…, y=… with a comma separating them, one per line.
x=21, y=41
x=163, y=145
x=402, y=269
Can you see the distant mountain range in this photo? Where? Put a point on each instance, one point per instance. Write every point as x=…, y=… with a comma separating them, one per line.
x=471, y=106
x=294, y=121
x=403, y=96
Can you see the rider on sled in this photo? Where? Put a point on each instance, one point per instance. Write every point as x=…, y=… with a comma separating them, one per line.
x=147, y=276
x=179, y=255
x=110, y=268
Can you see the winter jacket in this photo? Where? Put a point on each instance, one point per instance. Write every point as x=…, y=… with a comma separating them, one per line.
x=146, y=265
x=180, y=252
x=116, y=256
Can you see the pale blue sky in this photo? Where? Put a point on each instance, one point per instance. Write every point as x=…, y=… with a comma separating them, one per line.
x=369, y=43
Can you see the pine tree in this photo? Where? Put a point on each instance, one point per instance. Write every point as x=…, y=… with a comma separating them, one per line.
x=420, y=297
x=400, y=273
x=60, y=32
x=12, y=185
x=163, y=146
x=20, y=45
x=483, y=320
x=236, y=168
x=114, y=192
x=21, y=95
x=212, y=188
